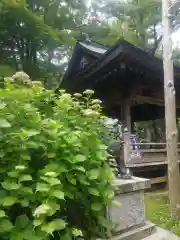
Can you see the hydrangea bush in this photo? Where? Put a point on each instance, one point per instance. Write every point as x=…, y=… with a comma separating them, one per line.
x=54, y=172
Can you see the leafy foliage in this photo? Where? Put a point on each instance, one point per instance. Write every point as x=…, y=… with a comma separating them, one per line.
x=38, y=36
x=136, y=22
x=55, y=178
x=35, y=36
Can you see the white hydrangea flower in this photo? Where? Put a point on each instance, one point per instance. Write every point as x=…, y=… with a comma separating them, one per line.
x=21, y=78
x=90, y=113
x=77, y=95
x=96, y=101
x=88, y=92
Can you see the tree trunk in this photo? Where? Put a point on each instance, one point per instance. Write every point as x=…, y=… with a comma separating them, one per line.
x=170, y=115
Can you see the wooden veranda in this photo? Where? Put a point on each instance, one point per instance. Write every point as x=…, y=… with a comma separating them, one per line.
x=129, y=81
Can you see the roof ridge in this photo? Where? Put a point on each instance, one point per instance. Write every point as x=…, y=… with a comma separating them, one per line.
x=89, y=42
x=101, y=57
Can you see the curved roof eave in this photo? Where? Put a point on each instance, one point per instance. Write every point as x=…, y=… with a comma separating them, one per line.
x=107, y=54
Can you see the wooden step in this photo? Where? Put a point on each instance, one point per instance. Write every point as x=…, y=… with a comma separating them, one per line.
x=163, y=179
x=138, y=233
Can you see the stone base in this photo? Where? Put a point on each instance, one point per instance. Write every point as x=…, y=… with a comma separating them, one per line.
x=136, y=233
x=129, y=218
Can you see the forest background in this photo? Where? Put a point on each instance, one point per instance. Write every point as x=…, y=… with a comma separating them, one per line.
x=38, y=37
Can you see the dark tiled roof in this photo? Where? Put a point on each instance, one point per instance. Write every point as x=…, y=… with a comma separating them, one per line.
x=102, y=56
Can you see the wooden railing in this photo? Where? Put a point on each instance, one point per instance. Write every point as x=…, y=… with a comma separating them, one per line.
x=149, y=154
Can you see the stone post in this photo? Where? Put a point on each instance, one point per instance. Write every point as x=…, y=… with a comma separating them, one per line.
x=129, y=218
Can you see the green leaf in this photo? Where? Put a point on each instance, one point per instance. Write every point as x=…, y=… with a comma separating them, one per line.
x=5, y=226
x=27, y=190
x=94, y=191
x=10, y=185
x=109, y=193
x=31, y=144
x=2, y=214
x=13, y=174
x=84, y=181
x=17, y=235
x=9, y=201
x=72, y=180
x=2, y=106
x=4, y=123
x=57, y=193
x=104, y=222
x=51, y=155
x=97, y=206
x=81, y=169
x=54, y=207
x=54, y=181
x=22, y=221
x=29, y=233
x=51, y=174
x=116, y=203
x=32, y=133
x=2, y=154
x=52, y=167
x=93, y=174
x=20, y=167
x=42, y=187
x=25, y=156
x=24, y=202
x=53, y=226
x=37, y=222
x=66, y=236
x=46, y=179
x=42, y=210
x=79, y=158
x=62, y=169
x=36, y=237
x=69, y=195
x=25, y=178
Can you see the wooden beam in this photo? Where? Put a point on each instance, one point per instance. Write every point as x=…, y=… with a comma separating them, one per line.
x=156, y=180
x=155, y=144
x=139, y=99
x=144, y=164
x=163, y=150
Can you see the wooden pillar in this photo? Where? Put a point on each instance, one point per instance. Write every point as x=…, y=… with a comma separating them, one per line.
x=132, y=127
x=126, y=114
x=127, y=110
x=127, y=146
x=170, y=112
